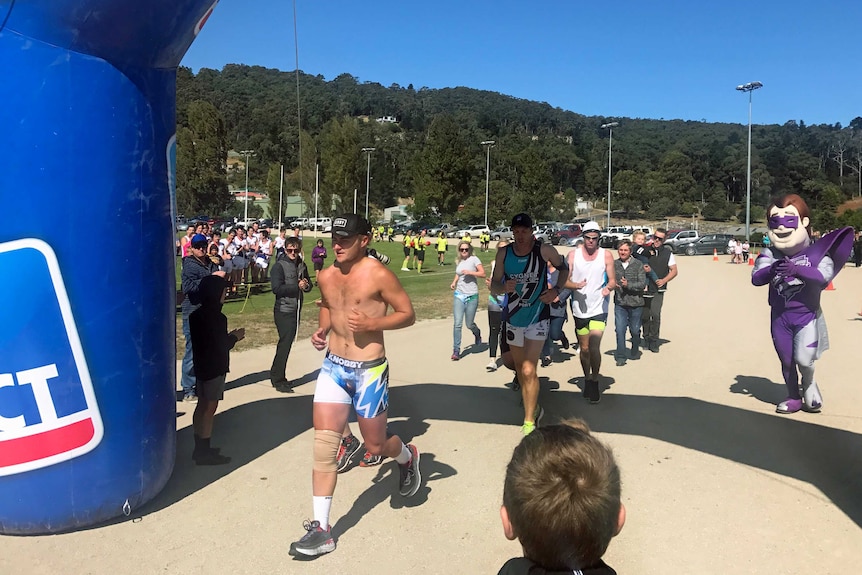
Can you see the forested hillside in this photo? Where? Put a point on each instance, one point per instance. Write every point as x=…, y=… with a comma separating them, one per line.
x=543, y=158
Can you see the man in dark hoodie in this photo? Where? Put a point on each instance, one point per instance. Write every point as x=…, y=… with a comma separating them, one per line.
x=211, y=345
x=289, y=280
x=565, y=529
x=196, y=266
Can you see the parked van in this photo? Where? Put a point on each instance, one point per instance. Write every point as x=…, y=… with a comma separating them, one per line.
x=301, y=223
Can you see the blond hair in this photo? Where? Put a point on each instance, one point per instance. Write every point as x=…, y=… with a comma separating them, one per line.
x=469, y=247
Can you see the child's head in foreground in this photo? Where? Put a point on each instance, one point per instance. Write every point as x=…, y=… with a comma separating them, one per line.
x=561, y=498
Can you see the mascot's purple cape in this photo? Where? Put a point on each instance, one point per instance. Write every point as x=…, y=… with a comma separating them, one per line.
x=802, y=291
x=798, y=328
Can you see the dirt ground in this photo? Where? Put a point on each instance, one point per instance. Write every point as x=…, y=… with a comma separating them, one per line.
x=713, y=480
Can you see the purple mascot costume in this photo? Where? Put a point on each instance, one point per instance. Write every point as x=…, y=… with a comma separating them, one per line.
x=797, y=270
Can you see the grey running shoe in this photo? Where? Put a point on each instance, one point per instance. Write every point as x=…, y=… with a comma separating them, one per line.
x=410, y=479
x=316, y=541
x=537, y=417
x=190, y=397
x=369, y=460
x=349, y=446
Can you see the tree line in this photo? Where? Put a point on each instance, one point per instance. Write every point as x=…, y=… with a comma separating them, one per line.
x=543, y=158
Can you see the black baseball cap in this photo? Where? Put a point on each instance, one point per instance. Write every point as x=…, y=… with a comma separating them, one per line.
x=347, y=225
x=522, y=219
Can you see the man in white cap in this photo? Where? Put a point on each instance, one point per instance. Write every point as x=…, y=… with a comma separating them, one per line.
x=592, y=279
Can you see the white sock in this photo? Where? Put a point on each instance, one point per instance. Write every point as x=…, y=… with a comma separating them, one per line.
x=322, y=505
x=405, y=455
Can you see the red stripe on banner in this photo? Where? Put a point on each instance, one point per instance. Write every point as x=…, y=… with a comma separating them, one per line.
x=45, y=444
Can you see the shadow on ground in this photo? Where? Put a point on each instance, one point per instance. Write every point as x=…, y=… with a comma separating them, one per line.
x=249, y=379
x=793, y=446
x=760, y=388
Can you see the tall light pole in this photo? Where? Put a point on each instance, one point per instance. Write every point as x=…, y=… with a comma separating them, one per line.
x=610, y=127
x=367, y=177
x=247, y=154
x=749, y=87
x=488, y=145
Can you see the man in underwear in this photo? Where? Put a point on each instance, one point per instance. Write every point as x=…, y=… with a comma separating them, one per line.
x=355, y=294
x=520, y=271
x=592, y=281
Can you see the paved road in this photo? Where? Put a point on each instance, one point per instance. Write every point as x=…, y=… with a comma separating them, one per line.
x=714, y=481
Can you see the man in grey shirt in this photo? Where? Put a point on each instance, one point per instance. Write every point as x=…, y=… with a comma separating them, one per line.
x=628, y=302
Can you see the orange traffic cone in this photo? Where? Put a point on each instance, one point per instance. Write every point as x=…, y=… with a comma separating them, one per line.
x=714, y=255
x=830, y=287
x=751, y=257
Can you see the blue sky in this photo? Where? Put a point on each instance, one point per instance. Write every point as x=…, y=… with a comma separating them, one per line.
x=661, y=59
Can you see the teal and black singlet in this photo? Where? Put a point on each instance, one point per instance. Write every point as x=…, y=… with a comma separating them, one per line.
x=530, y=271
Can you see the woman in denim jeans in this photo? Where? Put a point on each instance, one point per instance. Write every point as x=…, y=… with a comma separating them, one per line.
x=466, y=301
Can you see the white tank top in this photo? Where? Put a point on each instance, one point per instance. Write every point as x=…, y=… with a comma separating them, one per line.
x=588, y=301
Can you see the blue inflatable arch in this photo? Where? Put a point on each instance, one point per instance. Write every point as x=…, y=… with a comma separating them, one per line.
x=87, y=369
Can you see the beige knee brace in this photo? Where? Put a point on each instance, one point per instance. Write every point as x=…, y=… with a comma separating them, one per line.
x=326, y=444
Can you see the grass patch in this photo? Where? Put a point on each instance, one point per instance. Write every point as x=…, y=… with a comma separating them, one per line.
x=429, y=292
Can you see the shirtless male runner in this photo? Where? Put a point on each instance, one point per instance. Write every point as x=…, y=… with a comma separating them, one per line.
x=356, y=293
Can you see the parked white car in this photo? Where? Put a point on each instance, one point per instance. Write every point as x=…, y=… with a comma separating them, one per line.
x=319, y=223
x=472, y=231
x=612, y=236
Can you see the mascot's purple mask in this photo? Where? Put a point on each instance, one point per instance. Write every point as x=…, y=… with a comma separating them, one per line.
x=789, y=222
